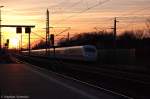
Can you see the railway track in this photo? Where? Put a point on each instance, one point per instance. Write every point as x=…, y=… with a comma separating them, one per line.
x=120, y=96
x=135, y=77
x=117, y=81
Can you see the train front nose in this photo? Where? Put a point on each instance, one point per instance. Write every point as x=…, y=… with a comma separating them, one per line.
x=90, y=56
x=90, y=53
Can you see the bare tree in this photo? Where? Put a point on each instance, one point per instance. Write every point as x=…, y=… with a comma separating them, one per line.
x=139, y=34
x=148, y=26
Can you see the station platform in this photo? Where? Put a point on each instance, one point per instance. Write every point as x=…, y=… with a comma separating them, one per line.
x=22, y=81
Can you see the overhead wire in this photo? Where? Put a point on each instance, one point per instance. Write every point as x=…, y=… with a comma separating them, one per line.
x=38, y=35
x=128, y=15
x=85, y=10
x=72, y=6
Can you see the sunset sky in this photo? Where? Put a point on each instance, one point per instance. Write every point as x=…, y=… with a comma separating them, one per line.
x=80, y=15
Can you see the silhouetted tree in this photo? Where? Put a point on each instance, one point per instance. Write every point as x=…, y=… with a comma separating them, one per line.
x=104, y=40
x=40, y=45
x=148, y=26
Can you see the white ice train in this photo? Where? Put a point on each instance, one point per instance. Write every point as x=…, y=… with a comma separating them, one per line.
x=83, y=53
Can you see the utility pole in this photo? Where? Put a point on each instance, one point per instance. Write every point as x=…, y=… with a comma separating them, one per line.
x=29, y=45
x=21, y=42
x=0, y=29
x=68, y=37
x=47, y=30
x=115, y=32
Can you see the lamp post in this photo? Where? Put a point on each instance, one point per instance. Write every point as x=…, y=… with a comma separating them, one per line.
x=0, y=29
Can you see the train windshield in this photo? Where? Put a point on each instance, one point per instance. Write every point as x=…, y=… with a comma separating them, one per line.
x=90, y=50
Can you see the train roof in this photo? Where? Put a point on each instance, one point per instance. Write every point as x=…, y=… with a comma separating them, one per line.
x=82, y=46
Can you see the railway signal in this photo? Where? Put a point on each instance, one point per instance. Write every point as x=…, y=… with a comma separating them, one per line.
x=7, y=43
x=52, y=39
x=27, y=30
x=18, y=29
